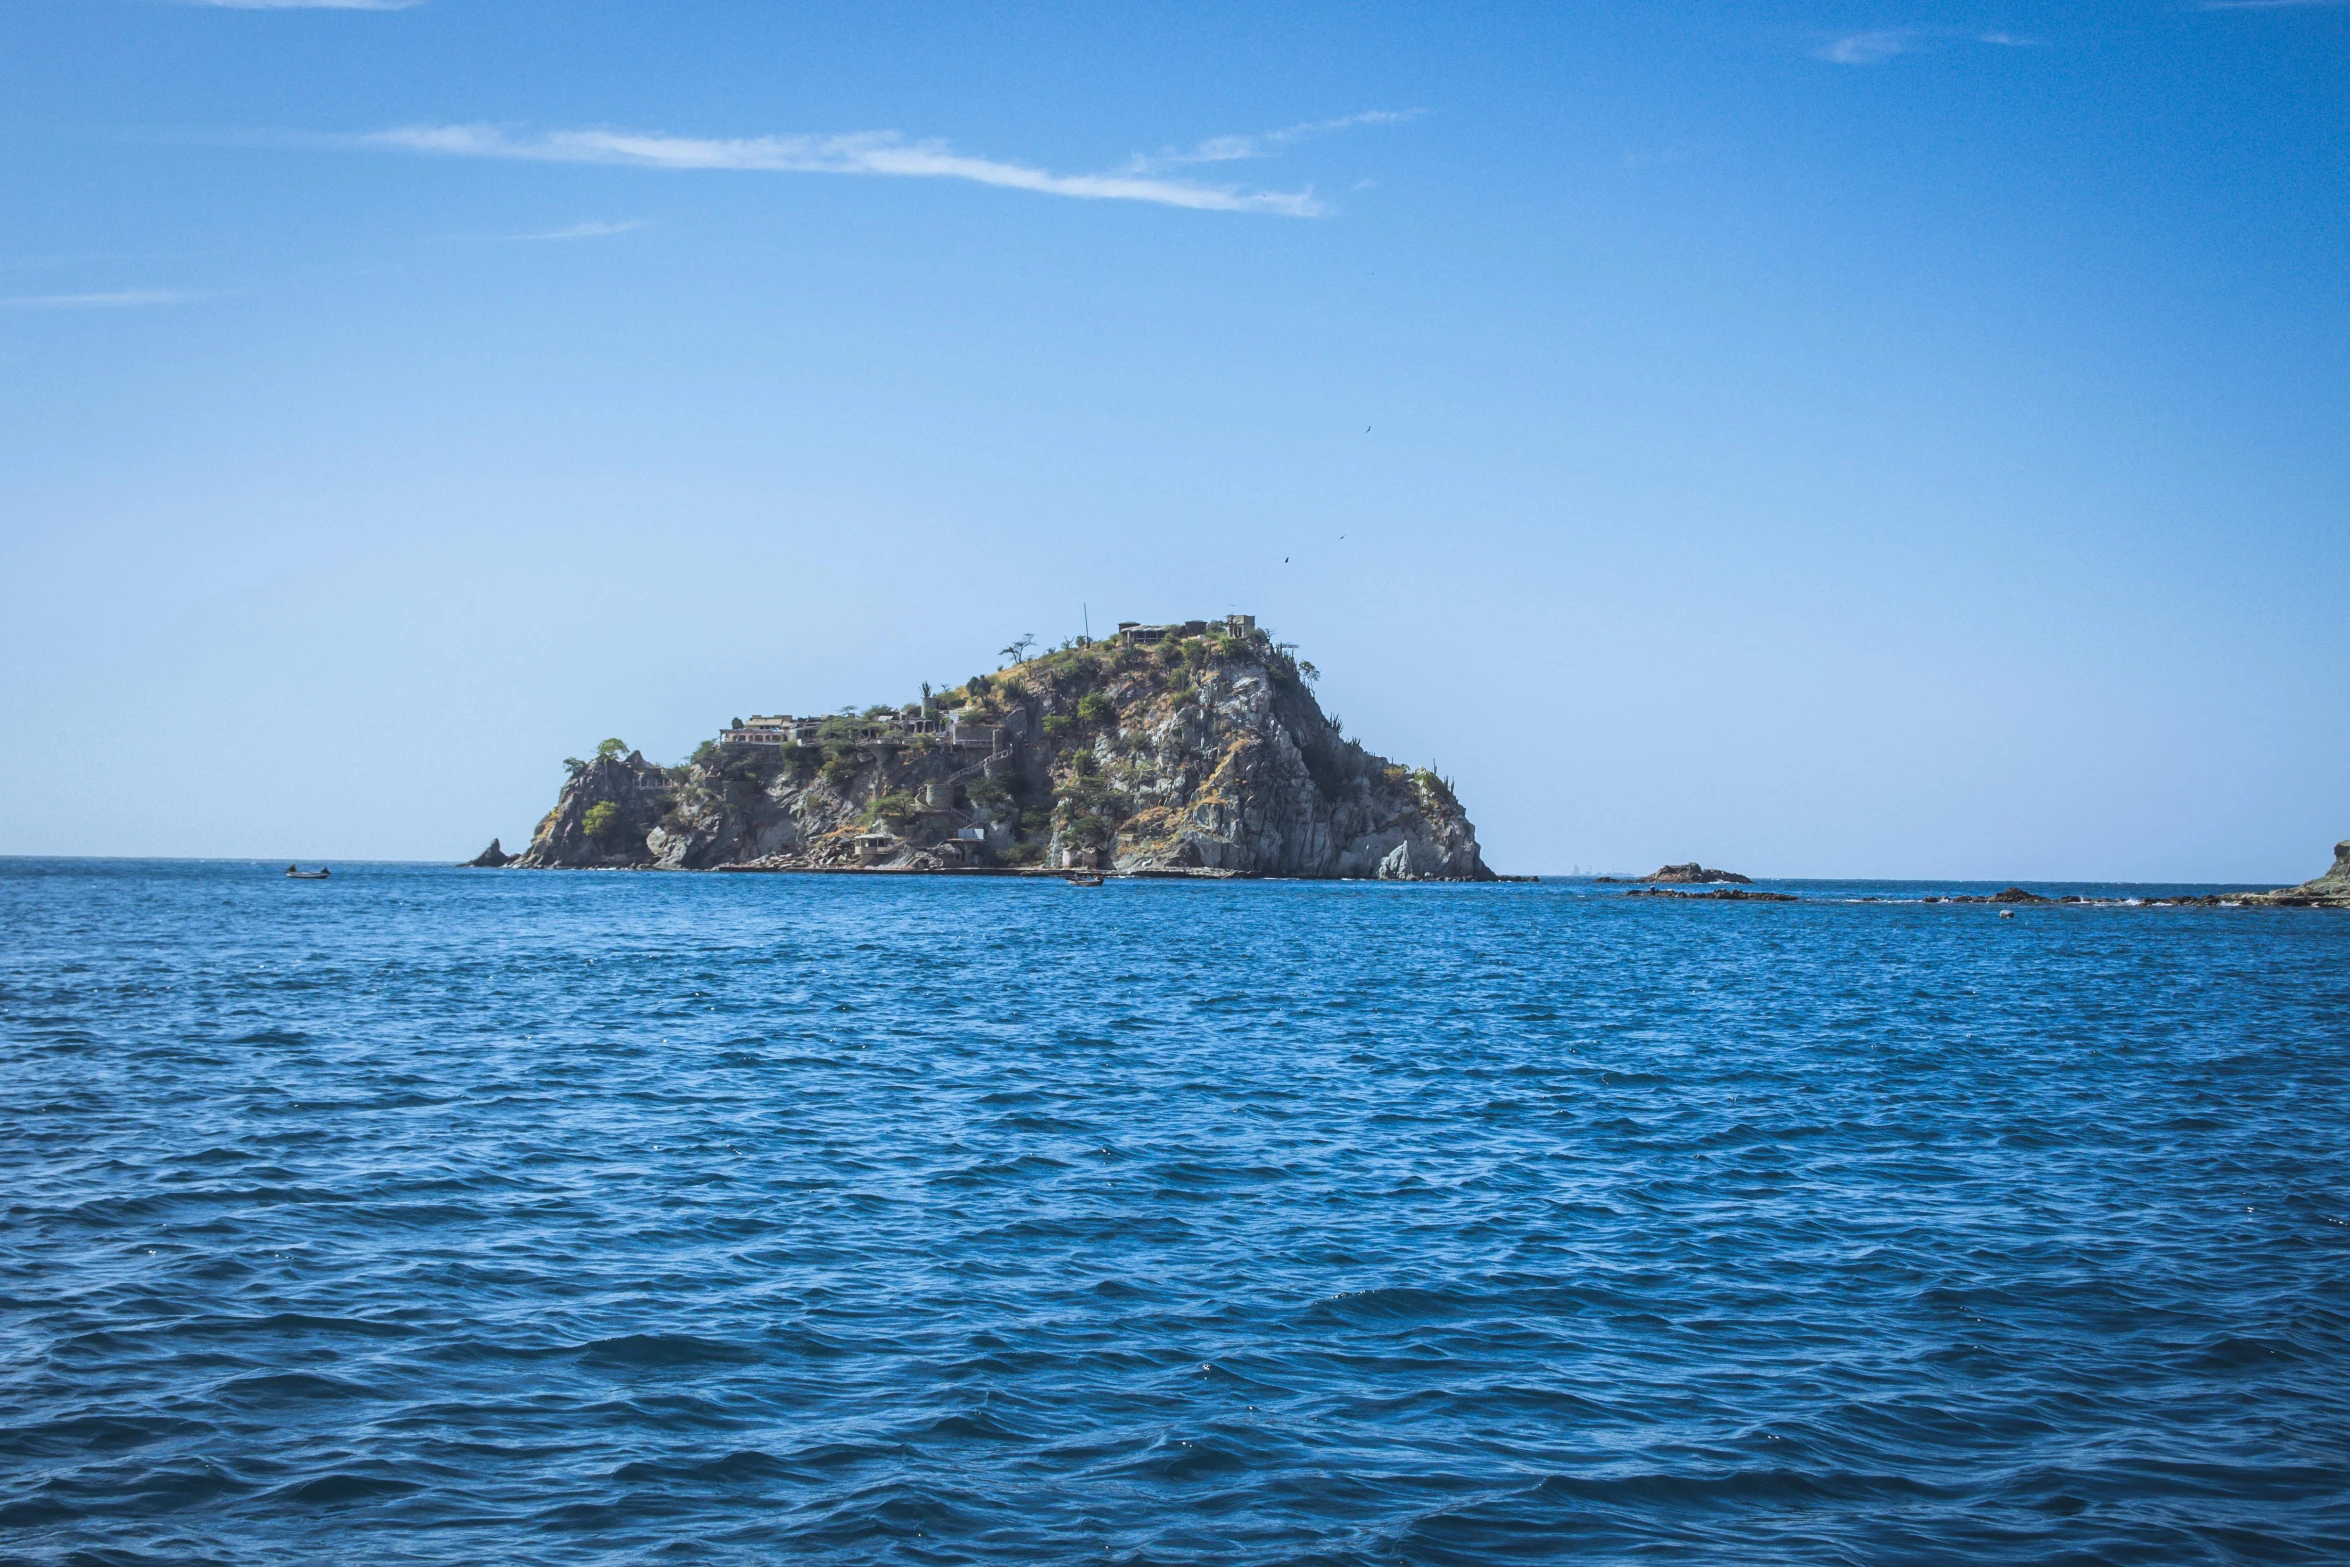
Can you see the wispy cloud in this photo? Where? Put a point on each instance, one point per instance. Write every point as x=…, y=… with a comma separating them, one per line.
x=308, y=5
x=1873, y=48
x=120, y=299
x=1264, y=144
x=863, y=152
x=591, y=230
x=1882, y=44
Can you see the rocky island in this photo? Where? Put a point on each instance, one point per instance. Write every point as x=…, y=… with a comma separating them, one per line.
x=1694, y=874
x=1189, y=749
x=1689, y=874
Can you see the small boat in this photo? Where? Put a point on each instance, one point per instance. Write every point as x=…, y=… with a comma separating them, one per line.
x=299, y=874
x=1079, y=879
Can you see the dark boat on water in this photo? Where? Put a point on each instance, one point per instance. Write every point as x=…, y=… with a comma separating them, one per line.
x=299, y=874
x=1083, y=880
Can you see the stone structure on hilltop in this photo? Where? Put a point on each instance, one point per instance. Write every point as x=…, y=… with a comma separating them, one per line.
x=1193, y=748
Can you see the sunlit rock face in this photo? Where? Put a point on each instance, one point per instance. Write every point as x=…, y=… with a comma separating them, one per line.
x=1203, y=754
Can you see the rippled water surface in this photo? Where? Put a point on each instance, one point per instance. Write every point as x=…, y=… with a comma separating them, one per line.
x=427, y=1215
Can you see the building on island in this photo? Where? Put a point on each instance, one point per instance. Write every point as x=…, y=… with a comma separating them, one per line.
x=1135, y=632
x=957, y=729
x=780, y=729
x=965, y=731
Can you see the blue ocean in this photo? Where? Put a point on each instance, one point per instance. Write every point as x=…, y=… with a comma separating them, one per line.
x=435, y=1216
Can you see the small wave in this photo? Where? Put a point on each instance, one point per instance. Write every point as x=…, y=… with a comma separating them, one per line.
x=659, y=1350
x=33, y=1513
x=747, y=1467
x=329, y=1490
x=1395, y=1303
x=272, y=1036
x=282, y=1323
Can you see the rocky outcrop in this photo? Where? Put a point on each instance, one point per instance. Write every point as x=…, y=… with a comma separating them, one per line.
x=1205, y=755
x=2330, y=891
x=490, y=858
x=609, y=809
x=1692, y=874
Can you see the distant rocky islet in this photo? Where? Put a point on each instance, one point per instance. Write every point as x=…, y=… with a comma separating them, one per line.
x=1688, y=874
x=1193, y=749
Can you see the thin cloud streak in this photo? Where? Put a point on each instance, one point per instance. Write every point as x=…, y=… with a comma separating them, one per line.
x=863, y=152
x=1875, y=48
x=590, y=230
x=1866, y=48
x=121, y=299
x=1229, y=149
x=308, y=5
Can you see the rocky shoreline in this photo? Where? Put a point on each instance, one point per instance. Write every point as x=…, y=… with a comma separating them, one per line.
x=1720, y=895
x=2329, y=891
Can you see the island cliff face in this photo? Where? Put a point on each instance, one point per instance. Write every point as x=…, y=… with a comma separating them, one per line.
x=1201, y=753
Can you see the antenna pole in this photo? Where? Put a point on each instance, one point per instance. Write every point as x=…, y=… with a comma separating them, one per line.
x=1087, y=611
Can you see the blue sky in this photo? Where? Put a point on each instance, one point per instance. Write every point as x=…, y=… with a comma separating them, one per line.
x=1821, y=439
